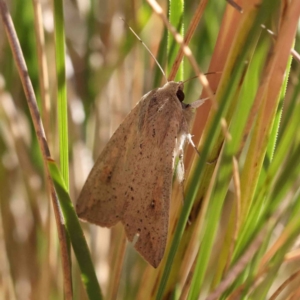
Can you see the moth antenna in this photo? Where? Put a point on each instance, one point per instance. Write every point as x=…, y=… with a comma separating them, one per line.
x=157, y=63
x=272, y=33
x=208, y=73
x=235, y=5
x=294, y=53
x=198, y=103
x=189, y=137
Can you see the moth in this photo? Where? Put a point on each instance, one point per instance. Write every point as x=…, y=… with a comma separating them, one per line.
x=131, y=180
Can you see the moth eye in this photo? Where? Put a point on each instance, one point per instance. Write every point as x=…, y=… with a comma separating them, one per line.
x=180, y=95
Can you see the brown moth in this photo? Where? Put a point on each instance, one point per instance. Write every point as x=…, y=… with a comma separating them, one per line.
x=131, y=180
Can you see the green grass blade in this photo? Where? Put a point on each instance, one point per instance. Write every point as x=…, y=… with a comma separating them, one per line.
x=213, y=133
x=238, y=122
x=275, y=130
x=62, y=89
x=76, y=235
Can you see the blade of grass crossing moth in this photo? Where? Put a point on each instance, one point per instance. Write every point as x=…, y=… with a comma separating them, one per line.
x=76, y=235
x=176, y=12
x=62, y=89
x=213, y=132
x=178, y=263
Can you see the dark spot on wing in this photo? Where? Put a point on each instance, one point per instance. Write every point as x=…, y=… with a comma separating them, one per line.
x=153, y=132
x=108, y=178
x=153, y=204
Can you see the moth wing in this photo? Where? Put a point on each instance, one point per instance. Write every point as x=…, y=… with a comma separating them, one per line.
x=101, y=201
x=149, y=185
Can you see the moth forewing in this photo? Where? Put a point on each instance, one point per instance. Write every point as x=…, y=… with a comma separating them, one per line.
x=98, y=202
x=132, y=178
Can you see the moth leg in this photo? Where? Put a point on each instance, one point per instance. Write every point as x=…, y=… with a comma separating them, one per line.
x=180, y=176
x=180, y=173
x=189, y=138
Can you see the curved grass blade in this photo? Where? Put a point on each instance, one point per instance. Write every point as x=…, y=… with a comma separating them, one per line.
x=76, y=235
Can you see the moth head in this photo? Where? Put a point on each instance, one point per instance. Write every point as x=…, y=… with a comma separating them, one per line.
x=180, y=95
x=175, y=88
